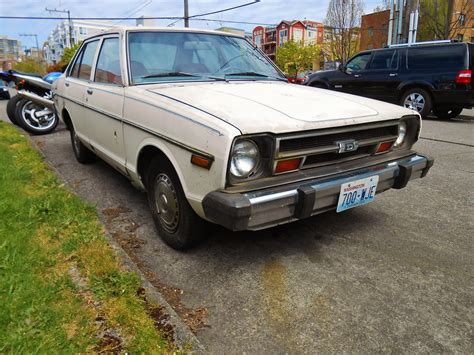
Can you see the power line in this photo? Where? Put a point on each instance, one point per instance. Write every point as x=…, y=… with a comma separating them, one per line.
x=223, y=10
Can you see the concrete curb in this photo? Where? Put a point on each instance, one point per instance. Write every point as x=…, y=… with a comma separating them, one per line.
x=183, y=337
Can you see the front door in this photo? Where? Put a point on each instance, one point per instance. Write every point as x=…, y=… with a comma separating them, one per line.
x=352, y=80
x=104, y=104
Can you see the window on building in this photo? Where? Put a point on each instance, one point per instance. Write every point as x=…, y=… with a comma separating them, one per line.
x=283, y=37
x=82, y=30
x=462, y=19
x=258, y=40
x=108, y=64
x=370, y=31
x=298, y=35
x=460, y=37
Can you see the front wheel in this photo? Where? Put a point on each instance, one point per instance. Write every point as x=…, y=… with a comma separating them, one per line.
x=176, y=222
x=417, y=99
x=447, y=113
x=81, y=152
x=34, y=118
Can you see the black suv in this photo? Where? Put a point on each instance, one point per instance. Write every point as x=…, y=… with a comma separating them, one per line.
x=423, y=76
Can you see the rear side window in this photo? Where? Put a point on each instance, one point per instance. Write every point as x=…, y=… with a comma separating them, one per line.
x=87, y=59
x=387, y=59
x=108, y=64
x=446, y=57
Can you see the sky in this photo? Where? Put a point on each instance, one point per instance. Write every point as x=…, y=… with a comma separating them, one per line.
x=266, y=11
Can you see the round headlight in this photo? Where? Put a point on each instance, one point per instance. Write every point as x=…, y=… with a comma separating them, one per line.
x=402, y=133
x=244, y=159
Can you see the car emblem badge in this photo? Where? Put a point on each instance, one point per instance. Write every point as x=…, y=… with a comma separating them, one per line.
x=347, y=146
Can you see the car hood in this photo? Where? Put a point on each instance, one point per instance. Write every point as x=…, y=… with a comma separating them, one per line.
x=267, y=106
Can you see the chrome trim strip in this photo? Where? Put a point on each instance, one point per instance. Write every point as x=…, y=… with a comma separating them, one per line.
x=272, y=197
x=159, y=135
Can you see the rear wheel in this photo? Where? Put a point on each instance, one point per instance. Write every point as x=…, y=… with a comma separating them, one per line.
x=177, y=223
x=11, y=108
x=81, y=152
x=447, y=113
x=34, y=118
x=417, y=99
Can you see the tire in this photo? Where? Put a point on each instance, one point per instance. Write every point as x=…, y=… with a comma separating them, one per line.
x=420, y=99
x=11, y=108
x=81, y=152
x=447, y=113
x=176, y=222
x=28, y=117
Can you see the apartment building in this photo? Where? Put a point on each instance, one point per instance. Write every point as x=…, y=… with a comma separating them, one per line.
x=374, y=30
x=10, y=52
x=271, y=37
x=59, y=37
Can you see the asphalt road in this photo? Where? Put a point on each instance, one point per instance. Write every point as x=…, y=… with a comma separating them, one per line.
x=395, y=276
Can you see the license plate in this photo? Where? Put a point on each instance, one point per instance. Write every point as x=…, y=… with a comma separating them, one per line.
x=357, y=193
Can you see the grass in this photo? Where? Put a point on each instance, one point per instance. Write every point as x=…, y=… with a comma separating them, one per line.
x=48, y=235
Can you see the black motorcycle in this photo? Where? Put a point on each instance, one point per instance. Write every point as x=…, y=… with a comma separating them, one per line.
x=30, y=108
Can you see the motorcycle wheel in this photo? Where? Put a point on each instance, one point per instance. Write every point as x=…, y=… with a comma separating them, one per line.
x=33, y=119
x=11, y=107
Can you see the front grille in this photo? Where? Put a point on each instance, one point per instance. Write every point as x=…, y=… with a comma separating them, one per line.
x=319, y=148
x=330, y=158
x=318, y=141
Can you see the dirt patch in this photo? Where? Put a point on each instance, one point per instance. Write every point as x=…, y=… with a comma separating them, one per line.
x=123, y=231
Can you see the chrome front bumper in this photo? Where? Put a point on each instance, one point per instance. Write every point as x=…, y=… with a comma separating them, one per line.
x=269, y=207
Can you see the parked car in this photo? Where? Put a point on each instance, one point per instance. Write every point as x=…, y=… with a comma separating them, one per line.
x=300, y=78
x=425, y=76
x=4, y=93
x=212, y=130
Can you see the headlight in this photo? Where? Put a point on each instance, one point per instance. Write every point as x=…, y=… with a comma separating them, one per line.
x=244, y=159
x=402, y=133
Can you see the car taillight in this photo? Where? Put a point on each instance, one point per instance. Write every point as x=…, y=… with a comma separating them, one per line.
x=464, y=77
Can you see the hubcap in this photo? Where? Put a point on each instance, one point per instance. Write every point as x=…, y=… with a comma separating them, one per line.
x=37, y=117
x=415, y=101
x=166, y=203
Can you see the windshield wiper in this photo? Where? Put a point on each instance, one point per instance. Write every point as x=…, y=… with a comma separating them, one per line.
x=168, y=74
x=252, y=73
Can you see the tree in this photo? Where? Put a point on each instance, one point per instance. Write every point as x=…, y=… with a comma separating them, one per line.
x=443, y=19
x=342, y=24
x=294, y=57
x=29, y=65
x=69, y=53
x=384, y=6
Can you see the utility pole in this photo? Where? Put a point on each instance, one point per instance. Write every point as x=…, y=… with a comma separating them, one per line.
x=71, y=41
x=449, y=17
x=186, y=13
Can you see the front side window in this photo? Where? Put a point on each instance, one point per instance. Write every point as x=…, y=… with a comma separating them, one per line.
x=108, y=64
x=358, y=63
x=184, y=56
x=88, y=54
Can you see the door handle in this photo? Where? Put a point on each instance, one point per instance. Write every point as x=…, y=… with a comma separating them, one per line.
x=393, y=74
x=66, y=83
x=89, y=91
x=357, y=75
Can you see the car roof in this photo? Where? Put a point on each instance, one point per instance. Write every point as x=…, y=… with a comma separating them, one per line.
x=125, y=29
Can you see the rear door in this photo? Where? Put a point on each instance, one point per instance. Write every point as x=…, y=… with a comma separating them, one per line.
x=104, y=104
x=76, y=83
x=382, y=75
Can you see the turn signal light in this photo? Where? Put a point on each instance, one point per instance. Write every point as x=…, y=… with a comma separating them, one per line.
x=287, y=165
x=201, y=161
x=464, y=77
x=384, y=147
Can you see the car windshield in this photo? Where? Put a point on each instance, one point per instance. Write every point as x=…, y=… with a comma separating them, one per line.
x=189, y=56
